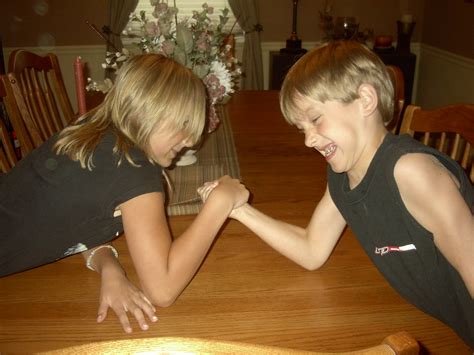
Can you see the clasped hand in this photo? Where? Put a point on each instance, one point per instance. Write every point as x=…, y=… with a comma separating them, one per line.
x=225, y=187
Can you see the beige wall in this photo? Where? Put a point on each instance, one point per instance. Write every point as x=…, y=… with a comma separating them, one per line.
x=379, y=15
x=49, y=23
x=443, y=37
x=445, y=24
x=449, y=25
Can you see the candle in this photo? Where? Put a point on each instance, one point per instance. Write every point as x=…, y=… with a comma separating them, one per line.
x=407, y=18
x=80, y=86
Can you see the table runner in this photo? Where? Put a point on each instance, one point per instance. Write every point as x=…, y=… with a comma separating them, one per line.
x=216, y=157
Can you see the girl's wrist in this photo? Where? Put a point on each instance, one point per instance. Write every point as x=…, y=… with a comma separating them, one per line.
x=93, y=256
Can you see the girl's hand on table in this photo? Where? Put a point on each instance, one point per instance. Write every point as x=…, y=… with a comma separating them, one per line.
x=122, y=296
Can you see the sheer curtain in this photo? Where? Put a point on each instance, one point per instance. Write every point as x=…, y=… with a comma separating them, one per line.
x=246, y=11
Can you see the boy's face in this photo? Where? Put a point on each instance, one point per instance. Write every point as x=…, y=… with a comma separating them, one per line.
x=336, y=130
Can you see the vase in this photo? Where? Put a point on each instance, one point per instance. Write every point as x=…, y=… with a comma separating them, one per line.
x=188, y=158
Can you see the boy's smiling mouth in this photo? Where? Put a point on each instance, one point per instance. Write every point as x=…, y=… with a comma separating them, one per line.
x=328, y=150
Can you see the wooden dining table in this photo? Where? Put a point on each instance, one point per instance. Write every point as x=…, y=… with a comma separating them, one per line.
x=244, y=291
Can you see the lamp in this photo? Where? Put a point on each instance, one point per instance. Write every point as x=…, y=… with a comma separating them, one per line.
x=293, y=44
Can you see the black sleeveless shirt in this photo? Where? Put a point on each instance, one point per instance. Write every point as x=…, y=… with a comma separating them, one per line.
x=399, y=246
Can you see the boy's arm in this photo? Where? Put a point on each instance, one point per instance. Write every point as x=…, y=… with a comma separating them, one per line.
x=431, y=195
x=309, y=247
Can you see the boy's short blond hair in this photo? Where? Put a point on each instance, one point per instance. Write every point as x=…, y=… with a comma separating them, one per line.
x=335, y=71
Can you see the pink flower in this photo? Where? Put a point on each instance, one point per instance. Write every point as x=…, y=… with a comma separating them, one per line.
x=151, y=29
x=168, y=47
x=164, y=27
x=213, y=118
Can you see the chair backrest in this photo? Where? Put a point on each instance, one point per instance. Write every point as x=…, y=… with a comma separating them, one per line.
x=8, y=157
x=41, y=83
x=25, y=126
x=7, y=153
x=400, y=344
x=398, y=81
x=449, y=129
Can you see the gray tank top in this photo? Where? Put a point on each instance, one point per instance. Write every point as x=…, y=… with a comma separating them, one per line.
x=399, y=246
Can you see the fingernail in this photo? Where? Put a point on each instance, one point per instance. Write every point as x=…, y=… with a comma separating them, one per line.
x=154, y=318
x=128, y=330
x=145, y=327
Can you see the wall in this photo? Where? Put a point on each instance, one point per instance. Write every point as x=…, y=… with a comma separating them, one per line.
x=443, y=37
x=446, y=60
x=379, y=15
x=449, y=25
x=50, y=23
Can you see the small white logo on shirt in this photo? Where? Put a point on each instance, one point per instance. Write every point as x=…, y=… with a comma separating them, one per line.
x=385, y=250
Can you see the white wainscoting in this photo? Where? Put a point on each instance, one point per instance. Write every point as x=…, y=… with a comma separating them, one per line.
x=441, y=77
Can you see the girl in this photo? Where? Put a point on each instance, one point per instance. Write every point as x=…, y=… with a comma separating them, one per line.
x=102, y=176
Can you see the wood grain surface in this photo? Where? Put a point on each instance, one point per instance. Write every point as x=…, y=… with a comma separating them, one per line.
x=244, y=291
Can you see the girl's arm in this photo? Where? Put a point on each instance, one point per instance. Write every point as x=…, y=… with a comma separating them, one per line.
x=309, y=247
x=432, y=197
x=165, y=266
x=116, y=291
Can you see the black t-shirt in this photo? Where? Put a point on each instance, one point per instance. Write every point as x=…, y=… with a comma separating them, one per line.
x=50, y=207
x=399, y=246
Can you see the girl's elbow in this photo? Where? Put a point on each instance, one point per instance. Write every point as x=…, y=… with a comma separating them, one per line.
x=162, y=298
x=312, y=264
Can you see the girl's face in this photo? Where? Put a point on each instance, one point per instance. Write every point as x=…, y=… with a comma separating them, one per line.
x=338, y=131
x=166, y=145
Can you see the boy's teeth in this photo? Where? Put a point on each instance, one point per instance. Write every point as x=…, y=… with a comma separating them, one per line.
x=329, y=150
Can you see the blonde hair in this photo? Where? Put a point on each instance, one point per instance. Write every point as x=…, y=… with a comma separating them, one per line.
x=335, y=71
x=150, y=92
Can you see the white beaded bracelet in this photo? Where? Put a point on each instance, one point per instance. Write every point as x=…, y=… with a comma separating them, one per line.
x=91, y=255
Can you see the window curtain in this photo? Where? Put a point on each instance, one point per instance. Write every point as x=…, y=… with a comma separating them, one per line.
x=246, y=11
x=119, y=12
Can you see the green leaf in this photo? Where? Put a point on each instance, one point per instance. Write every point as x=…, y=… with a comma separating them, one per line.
x=201, y=70
x=180, y=56
x=184, y=38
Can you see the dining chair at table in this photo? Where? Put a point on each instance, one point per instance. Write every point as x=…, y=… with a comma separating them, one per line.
x=398, y=81
x=401, y=343
x=24, y=124
x=7, y=153
x=40, y=82
x=8, y=158
x=450, y=129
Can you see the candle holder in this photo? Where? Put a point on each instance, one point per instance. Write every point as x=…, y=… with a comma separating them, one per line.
x=293, y=44
x=404, y=32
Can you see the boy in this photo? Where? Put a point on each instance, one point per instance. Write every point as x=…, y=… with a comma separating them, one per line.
x=408, y=205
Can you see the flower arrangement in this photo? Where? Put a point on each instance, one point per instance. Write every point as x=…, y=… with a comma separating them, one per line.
x=195, y=42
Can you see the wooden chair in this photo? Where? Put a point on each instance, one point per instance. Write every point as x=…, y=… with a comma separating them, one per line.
x=396, y=75
x=400, y=343
x=7, y=153
x=40, y=82
x=8, y=157
x=26, y=127
x=449, y=129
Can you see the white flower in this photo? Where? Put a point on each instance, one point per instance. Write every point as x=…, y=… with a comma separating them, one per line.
x=224, y=75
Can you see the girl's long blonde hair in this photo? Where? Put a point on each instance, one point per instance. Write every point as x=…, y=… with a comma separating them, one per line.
x=335, y=71
x=150, y=92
